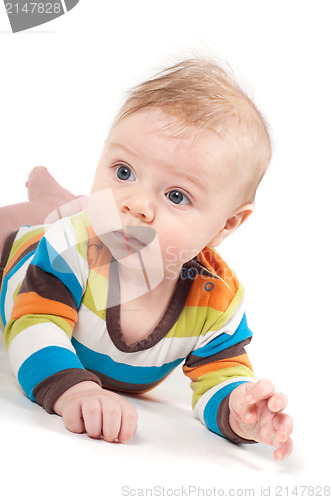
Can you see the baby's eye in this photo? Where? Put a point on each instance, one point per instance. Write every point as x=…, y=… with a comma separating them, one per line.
x=177, y=197
x=124, y=173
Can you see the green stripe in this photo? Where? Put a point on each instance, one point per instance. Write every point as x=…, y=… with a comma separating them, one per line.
x=198, y=320
x=17, y=289
x=211, y=379
x=193, y=321
x=16, y=326
x=25, y=238
x=80, y=224
x=95, y=296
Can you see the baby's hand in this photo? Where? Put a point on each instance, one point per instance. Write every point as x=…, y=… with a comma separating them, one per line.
x=256, y=414
x=99, y=412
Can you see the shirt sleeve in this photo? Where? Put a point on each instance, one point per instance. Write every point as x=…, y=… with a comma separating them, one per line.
x=38, y=334
x=216, y=367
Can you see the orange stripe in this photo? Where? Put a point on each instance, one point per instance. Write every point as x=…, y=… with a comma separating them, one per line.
x=26, y=245
x=99, y=256
x=91, y=233
x=198, y=371
x=200, y=296
x=32, y=303
x=212, y=260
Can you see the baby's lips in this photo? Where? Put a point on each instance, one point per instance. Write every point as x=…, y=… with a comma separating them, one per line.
x=145, y=234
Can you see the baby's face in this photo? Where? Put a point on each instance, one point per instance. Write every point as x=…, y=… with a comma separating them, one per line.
x=178, y=188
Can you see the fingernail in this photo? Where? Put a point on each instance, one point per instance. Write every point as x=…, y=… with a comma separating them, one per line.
x=247, y=417
x=249, y=398
x=283, y=437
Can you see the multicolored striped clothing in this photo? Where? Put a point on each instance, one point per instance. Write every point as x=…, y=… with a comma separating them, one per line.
x=60, y=329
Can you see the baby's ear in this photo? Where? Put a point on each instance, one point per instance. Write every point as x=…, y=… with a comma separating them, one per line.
x=241, y=214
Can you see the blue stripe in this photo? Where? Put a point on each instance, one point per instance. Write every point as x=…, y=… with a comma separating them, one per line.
x=124, y=373
x=5, y=285
x=43, y=364
x=211, y=408
x=224, y=340
x=48, y=259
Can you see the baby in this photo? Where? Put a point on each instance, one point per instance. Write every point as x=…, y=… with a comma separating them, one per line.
x=112, y=292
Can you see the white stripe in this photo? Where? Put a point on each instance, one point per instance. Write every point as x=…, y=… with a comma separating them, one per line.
x=229, y=327
x=99, y=341
x=62, y=238
x=34, y=338
x=12, y=284
x=204, y=399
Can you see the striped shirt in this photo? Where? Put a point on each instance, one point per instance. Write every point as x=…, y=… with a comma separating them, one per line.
x=61, y=328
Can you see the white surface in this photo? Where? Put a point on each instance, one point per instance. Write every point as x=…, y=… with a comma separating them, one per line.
x=171, y=449
x=61, y=85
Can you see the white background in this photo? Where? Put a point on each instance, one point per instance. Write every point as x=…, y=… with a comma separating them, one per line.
x=61, y=84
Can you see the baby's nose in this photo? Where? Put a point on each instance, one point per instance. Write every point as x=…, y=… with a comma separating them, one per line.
x=139, y=206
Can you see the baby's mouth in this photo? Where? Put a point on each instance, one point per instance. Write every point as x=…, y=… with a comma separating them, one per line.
x=122, y=238
x=135, y=236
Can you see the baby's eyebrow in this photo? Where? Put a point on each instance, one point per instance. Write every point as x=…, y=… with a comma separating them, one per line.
x=194, y=179
x=121, y=146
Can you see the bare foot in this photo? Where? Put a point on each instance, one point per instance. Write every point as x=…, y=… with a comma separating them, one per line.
x=48, y=202
x=43, y=187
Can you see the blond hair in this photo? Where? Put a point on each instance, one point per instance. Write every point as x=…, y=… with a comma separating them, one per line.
x=202, y=94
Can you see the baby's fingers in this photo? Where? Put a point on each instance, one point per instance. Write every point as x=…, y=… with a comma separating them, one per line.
x=263, y=389
x=128, y=423
x=92, y=416
x=72, y=417
x=277, y=402
x=283, y=426
x=111, y=420
x=240, y=409
x=119, y=420
x=284, y=450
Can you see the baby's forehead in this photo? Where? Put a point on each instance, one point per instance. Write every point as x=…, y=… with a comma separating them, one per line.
x=164, y=146
x=147, y=129
x=156, y=124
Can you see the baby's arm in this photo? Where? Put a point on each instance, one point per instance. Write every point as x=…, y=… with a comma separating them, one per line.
x=256, y=413
x=38, y=334
x=229, y=400
x=99, y=412
x=216, y=368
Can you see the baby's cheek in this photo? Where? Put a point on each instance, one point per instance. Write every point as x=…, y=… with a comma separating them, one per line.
x=178, y=244
x=177, y=254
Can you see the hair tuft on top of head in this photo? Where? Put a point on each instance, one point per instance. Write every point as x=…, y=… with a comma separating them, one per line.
x=196, y=91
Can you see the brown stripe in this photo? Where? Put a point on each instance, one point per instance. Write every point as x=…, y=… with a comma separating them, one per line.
x=235, y=350
x=47, y=286
x=49, y=390
x=28, y=250
x=224, y=425
x=5, y=253
x=117, y=385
